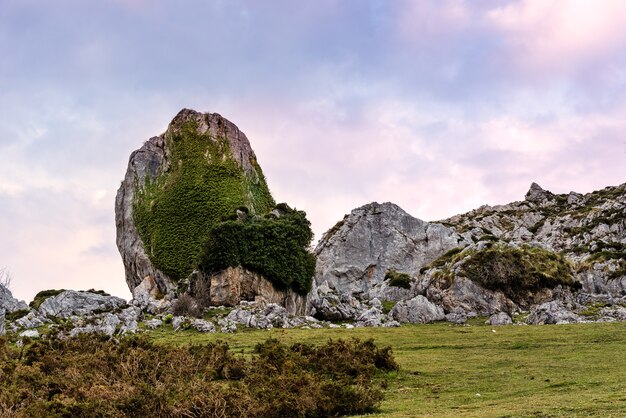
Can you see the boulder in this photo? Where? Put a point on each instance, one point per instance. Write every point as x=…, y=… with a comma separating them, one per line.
x=9, y=303
x=501, y=318
x=552, y=313
x=153, y=323
x=30, y=333
x=417, y=310
x=203, y=325
x=106, y=325
x=72, y=302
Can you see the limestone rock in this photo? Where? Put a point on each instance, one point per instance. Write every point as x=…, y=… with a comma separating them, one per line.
x=536, y=194
x=153, y=323
x=417, y=310
x=233, y=285
x=9, y=303
x=153, y=295
x=32, y=320
x=552, y=313
x=71, y=302
x=30, y=333
x=354, y=256
x=501, y=318
x=106, y=325
x=203, y=325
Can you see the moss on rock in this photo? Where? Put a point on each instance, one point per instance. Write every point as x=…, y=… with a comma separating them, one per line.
x=175, y=212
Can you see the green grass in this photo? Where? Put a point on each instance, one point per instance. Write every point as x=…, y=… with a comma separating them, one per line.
x=519, y=371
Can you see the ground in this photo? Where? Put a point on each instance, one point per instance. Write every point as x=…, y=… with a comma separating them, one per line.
x=478, y=370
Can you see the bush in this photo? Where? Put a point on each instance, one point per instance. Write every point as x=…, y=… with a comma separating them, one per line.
x=518, y=272
x=273, y=247
x=94, y=376
x=186, y=305
x=396, y=279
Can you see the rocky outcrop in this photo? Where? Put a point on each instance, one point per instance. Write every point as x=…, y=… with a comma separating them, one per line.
x=234, y=285
x=578, y=240
x=153, y=160
x=9, y=303
x=355, y=257
x=72, y=302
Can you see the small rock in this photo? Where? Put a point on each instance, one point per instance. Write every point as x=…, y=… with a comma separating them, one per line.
x=153, y=323
x=203, y=326
x=30, y=333
x=501, y=318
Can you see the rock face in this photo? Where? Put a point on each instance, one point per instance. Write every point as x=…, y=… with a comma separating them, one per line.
x=153, y=161
x=8, y=302
x=569, y=251
x=356, y=255
x=233, y=285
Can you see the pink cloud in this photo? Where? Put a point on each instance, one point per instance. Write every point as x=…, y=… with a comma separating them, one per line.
x=555, y=35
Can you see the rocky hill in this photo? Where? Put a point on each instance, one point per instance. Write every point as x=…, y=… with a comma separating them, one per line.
x=551, y=255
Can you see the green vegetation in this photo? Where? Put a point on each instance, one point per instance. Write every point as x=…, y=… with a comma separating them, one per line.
x=13, y=316
x=275, y=247
x=91, y=376
x=397, y=279
x=43, y=295
x=174, y=212
x=518, y=272
x=469, y=371
x=388, y=305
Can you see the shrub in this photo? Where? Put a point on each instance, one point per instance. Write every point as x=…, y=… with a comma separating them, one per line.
x=518, y=272
x=95, y=376
x=187, y=306
x=397, y=279
x=273, y=247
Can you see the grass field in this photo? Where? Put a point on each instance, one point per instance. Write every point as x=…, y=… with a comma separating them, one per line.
x=481, y=371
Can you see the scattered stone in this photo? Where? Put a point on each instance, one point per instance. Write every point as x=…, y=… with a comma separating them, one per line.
x=32, y=320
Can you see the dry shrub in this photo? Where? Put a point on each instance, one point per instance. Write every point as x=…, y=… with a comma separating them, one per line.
x=186, y=305
x=92, y=376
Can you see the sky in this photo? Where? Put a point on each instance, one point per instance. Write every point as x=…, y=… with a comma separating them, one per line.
x=438, y=106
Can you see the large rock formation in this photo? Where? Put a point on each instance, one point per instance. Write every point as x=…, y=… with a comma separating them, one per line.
x=357, y=258
x=179, y=187
x=547, y=251
x=189, y=136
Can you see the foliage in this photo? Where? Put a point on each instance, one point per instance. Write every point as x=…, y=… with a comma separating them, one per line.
x=15, y=315
x=518, y=272
x=575, y=370
x=174, y=212
x=388, y=305
x=91, y=376
x=275, y=247
x=397, y=279
x=43, y=295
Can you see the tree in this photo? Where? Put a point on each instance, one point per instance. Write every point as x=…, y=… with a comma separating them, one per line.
x=5, y=277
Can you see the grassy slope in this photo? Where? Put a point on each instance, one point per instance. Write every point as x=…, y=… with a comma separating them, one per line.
x=560, y=370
